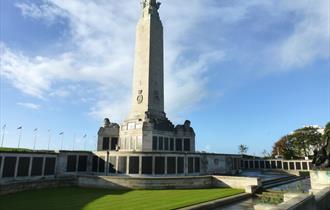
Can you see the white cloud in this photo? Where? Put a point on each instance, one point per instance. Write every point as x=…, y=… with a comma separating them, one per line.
x=103, y=34
x=310, y=37
x=30, y=105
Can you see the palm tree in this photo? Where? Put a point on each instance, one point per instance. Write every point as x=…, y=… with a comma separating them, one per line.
x=242, y=149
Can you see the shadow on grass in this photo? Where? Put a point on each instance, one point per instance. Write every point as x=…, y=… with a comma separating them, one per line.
x=72, y=198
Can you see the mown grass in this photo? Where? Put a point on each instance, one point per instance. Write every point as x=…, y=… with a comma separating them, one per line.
x=102, y=199
x=8, y=149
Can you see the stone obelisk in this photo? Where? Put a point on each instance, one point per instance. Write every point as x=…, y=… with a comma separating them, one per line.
x=147, y=127
x=148, y=79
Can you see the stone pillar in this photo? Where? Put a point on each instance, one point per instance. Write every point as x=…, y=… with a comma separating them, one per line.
x=140, y=165
x=176, y=165
x=43, y=166
x=16, y=166
x=127, y=165
x=153, y=165
x=165, y=157
x=117, y=161
x=193, y=164
x=30, y=166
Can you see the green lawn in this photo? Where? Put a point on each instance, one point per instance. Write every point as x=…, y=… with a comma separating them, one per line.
x=82, y=198
x=9, y=149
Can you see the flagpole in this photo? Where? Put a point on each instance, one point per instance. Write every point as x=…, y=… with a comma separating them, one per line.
x=48, y=138
x=62, y=140
x=35, y=138
x=3, y=134
x=20, y=136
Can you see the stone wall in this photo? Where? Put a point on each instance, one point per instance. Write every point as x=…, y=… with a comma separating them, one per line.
x=278, y=164
x=317, y=199
x=24, y=185
x=250, y=184
x=27, y=166
x=145, y=182
x=320, y=179
x=37, y=165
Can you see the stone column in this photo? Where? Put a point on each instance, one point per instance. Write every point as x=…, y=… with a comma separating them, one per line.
x=30, y=166
x=43, y=166
x=153, y=165
x=16, y=166
x=193, y=164
x=140, y=165
x=165, y=165
x=176, y=165
x=117, y=161
x=127, y=165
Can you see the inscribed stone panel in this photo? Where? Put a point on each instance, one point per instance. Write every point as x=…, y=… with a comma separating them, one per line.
x=180, y=165
x=171, y=165
x=9, y=167
x=186, y=144
x=159, y=165
x=82, y=163
x=122, y=161
x=172, y=144
x=23, y=166
x=112, y=164
x=165, y=143
x=197, y=164
x=37, y=163
x=105, y=143
x=146, y=165
x=114, y=142
x=190, y=165
x=95, y=163
x=101, y=164
x=160, y=143
x=50, y=166
x=134, y=164
x=178, y=144
x=154, y=143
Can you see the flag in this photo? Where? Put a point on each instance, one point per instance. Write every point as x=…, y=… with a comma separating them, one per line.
x=4, y=126
x=20, y=127
x=35, y=129
x=61, y=133
x=85, y=136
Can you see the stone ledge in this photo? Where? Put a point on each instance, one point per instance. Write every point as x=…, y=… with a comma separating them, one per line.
x=219, y=202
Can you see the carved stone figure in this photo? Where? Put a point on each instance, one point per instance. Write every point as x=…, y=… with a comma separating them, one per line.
x=321, y=157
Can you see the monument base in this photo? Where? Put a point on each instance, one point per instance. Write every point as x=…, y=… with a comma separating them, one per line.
x=320, y=179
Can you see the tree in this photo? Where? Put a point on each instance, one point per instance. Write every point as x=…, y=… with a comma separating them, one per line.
x=266, y=154
x=284, y=147
x=298, y=144
x=242, y=149
x=326, y=134
x=306, y=139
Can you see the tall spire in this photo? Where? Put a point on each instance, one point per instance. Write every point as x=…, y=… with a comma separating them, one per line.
x=148, y=79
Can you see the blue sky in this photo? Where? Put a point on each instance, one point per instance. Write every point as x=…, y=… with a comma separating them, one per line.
x=242, y=71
